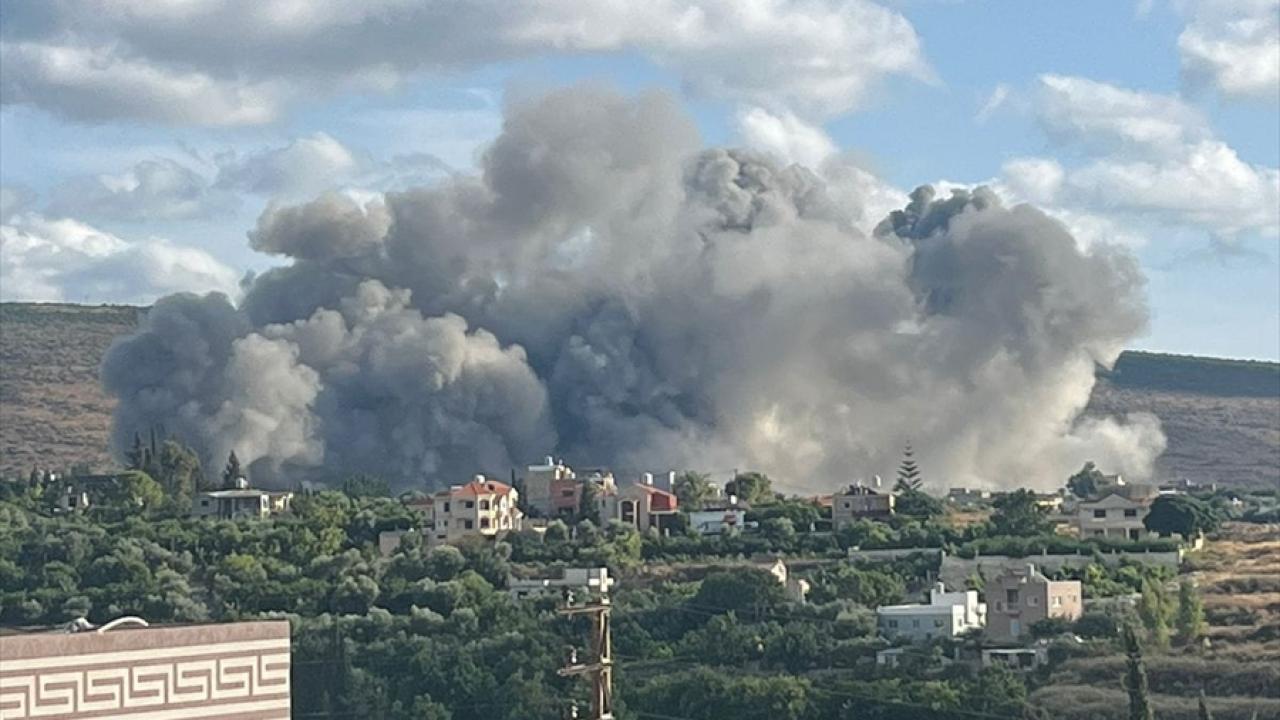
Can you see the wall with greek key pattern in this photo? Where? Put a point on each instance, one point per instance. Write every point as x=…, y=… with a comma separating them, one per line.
x=238, y=671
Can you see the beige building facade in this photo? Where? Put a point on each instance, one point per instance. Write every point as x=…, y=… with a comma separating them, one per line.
x=481, y=508
x=1019, y=598
x=230, y=671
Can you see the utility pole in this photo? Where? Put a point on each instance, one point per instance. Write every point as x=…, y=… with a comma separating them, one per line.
x=599, y=664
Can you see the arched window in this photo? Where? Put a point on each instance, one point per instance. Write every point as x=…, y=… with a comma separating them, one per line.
x=628, y=511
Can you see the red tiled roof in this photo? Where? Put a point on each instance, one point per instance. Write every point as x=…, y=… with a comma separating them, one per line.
x=660, y=499
x=475, y=488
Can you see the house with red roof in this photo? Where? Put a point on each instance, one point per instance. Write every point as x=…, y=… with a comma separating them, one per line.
x=481, y=508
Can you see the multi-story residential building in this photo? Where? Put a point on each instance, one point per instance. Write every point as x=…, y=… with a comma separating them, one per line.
x=553, y=489
x=1117, y=512
x=859, y=502
x=240, y=501
x=226, y=671
x=640, y=504
x=588, y=581
x=481, y=508
x=1018, y=598
x=948, y=614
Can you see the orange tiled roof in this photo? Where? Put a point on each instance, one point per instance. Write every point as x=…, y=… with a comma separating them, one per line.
x=476, y=488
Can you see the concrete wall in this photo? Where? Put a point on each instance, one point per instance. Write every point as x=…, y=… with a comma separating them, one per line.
x=229, y=671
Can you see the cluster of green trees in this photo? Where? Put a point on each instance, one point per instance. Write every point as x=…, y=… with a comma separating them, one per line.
x=430, y=633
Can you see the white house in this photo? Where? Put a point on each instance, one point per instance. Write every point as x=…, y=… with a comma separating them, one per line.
x=948, y=614
x=595, y=581
x=1118, y=513
x=719, y=517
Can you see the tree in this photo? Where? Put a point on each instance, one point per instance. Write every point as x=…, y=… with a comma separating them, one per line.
x=1181, y=515
x=1087, y=482
x=1190, y=618
x=136, y=457
x=753, y=487
x=177, y=469
x=918, y=503
x=362, y=485
x=1204, y=713
x=1019, y=513
x=743, y=590
x=1154, y=611
x=909, y=478
x=692, y=489
x=135, y=489
x=232, y=472
x=589, y=501
x=1135, y=681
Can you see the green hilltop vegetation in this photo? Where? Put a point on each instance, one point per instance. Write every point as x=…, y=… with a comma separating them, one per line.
x=1189, y=373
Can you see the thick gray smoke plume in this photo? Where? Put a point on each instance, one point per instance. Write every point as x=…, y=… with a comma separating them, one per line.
x=606, y=290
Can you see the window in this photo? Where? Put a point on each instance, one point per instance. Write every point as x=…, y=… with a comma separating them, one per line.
x=467, y=524
x=446, y=507
x=1057, y=601
x=1135, y=534
x=938, y=623
x=1099, y=514
x=468, y=504
x=1011, y=597
x=1032, y=600
x=915, y=623
x=893, y=624
x=484, y=523
x=628, y=511
x=444, y=523
x=847, y=505
x=484, y=504
x=1131, y=512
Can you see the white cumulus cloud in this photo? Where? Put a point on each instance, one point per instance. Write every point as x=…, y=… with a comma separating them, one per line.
x=241, y=62
x=1234, y=46
x=61, y=259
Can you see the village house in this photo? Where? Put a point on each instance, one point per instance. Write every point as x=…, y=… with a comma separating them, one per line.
x=240, y=501
x=719, y=516
x=553, y=489
x=948, y=614
x=859, y=502
x=1117, y=512
x=481, y=508
x=640, y=505
x=584, y=581
x=1018, y=598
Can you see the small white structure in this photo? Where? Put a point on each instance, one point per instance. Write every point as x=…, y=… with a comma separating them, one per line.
x=948, y=614
x=595, y=581
x=718, y=518
x=240, y=501
x=797, y=589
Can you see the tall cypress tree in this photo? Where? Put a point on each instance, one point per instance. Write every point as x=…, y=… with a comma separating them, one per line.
x=908, y=472
x=1204, y=708
x=231, y=471
x=1135, y=681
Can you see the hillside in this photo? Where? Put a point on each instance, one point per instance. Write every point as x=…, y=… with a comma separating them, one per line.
x=1222, y=417
x=52, y=409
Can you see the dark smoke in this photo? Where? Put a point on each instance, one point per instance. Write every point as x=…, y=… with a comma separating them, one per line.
x=606, y=290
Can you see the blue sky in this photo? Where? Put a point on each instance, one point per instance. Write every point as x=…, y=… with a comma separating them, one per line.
x=1151, y=124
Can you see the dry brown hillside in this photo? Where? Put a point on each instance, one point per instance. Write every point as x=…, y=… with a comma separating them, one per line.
x=1222, y=417
x=52, y=409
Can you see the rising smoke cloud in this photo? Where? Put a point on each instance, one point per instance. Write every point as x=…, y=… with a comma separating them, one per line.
x=606, y=288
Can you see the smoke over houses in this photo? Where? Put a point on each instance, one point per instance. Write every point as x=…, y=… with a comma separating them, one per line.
x=608, y=288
